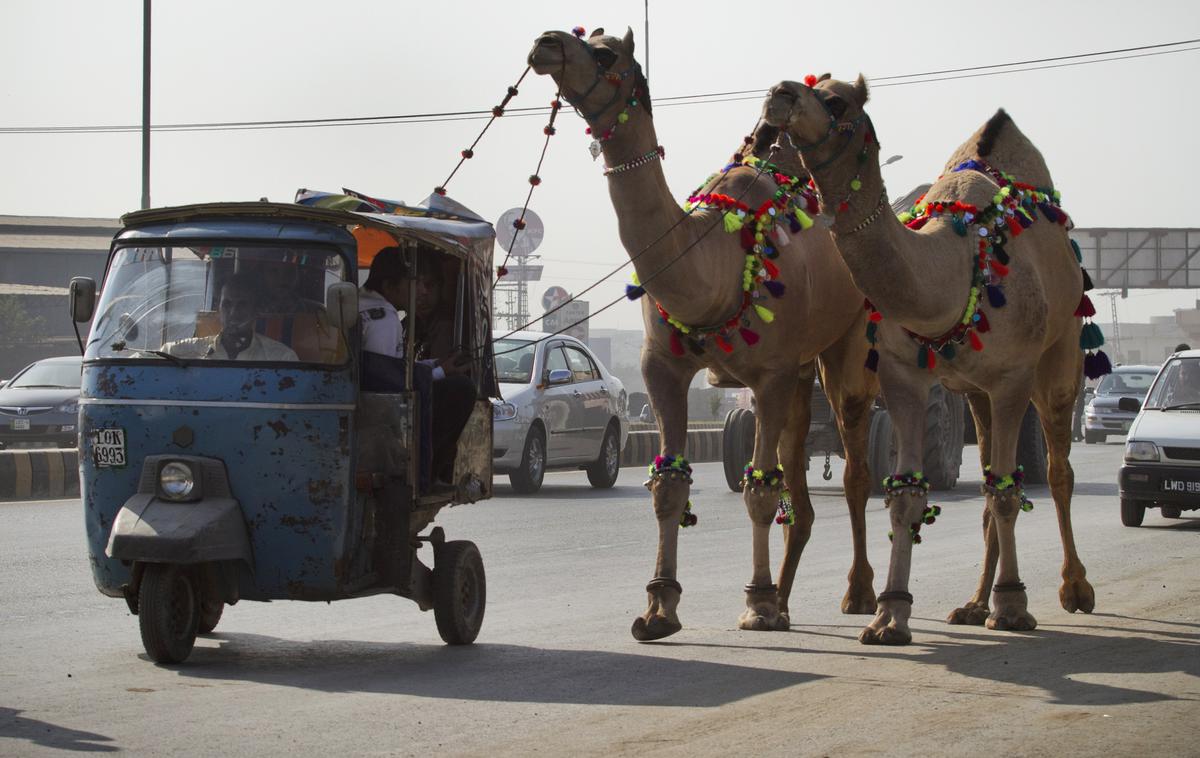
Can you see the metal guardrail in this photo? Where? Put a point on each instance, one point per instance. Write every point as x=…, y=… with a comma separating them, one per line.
x=30, y=474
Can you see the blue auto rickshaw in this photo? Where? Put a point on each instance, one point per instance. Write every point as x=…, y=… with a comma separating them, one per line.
x=210, y=477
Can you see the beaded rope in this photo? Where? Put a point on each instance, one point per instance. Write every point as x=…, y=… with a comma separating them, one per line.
x=911, y=480
x=656, y=154
x=756, y=479
x=998, y=485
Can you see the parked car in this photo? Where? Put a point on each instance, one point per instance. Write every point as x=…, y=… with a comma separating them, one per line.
x=1103, y=415
x=1162, y=451
x=560, y=408
x=40, y=405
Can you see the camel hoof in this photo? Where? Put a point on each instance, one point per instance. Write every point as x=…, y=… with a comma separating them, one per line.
x=969, y=615
x=888, y=635
x=1077, y=596
x=858, y=603
x=1012, y=621
x=754, y=621
x=655, y=629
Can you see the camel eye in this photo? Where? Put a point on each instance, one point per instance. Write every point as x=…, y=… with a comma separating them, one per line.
x=605, y=58
x=836, y=106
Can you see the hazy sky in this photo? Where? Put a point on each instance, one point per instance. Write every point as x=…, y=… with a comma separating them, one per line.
x=1119, y=136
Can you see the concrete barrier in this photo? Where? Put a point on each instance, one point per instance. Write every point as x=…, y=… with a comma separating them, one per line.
x=703, y=446
x=31, y=474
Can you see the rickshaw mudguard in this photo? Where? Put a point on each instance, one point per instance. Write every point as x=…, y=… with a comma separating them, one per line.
x=153, y=530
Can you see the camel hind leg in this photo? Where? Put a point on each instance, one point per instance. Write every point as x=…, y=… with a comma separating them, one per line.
x=851, y=390
x=1060, y=373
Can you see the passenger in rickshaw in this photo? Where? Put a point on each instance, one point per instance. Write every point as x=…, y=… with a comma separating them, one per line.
x=237, y=309
x=446, y=381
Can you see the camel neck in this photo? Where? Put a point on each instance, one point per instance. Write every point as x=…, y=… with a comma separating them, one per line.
x=905, y=275
x=657, y=233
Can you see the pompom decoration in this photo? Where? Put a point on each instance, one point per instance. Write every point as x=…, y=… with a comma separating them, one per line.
x=1096, y=365
x=501, y=271
x=579, y=31
x=633, y=291
x=468, y=153
x=1085, y=309
x=810, y=80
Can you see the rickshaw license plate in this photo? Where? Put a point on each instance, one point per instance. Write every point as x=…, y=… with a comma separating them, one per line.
x=1181, y=485
x=108, y=447
x=20, y=425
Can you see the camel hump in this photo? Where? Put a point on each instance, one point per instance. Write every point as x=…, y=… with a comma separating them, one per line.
x=1003, y=145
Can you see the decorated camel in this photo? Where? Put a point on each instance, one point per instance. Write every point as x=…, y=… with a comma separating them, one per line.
x=977, y=287
x=736, y=284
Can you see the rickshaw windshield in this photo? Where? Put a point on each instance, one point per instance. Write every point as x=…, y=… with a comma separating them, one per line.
x=218, y=303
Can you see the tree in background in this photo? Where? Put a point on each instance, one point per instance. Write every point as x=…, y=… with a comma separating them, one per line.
x=714, y=403
x=16, y=325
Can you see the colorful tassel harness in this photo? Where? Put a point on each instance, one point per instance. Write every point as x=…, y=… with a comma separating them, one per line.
x=675, y=468
x=1012, y=211
x=761, y=235
x=759, y=479
x=910, y=481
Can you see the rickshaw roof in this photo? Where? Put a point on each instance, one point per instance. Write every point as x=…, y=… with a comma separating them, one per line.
x=440, y=221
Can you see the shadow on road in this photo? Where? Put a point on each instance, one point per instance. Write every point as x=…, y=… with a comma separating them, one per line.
x=505, y=673
x=14, y=726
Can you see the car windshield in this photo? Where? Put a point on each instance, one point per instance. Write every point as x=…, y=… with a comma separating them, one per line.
x=1132, y=384
x=514, y=360
x=46, y=374
x=218, y=303
x=1178, y=385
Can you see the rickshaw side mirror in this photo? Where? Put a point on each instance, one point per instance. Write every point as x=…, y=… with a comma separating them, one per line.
x=83, y=299
x=341, y=303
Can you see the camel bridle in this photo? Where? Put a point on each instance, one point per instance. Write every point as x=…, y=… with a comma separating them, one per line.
x=602, y=73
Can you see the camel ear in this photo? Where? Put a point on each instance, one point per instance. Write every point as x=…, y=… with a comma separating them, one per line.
x=823, y=77
x=597, y=32
x=628, y=41
x=860, y=91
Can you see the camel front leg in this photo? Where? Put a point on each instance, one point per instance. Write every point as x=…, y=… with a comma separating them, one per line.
x=976, y=610
x=1005, y=500
x=851, y=390
x=906, y=392
x=667, y=379
x=792, y=456
x=765, y=497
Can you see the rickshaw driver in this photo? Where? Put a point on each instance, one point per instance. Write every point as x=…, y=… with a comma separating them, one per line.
x=237, y=340
x=453, y=394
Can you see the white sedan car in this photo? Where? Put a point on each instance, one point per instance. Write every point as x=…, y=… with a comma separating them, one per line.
x=560, y=409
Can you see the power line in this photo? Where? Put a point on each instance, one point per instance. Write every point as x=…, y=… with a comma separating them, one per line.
x=1078, y=59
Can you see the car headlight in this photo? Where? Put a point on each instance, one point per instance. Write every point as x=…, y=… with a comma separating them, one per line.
x=176, y=480
x=1135, y=450
x=71, y=406
x=503, y=411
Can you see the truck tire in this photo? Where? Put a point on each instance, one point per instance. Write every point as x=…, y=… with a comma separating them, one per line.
x=881, y=449
x=737, y=445
x=942, y=457
x=1031, y=448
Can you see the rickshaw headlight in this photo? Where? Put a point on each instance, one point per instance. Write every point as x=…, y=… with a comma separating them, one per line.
x=176, y=480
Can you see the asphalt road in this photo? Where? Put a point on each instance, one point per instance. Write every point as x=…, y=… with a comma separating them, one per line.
x=555, y=671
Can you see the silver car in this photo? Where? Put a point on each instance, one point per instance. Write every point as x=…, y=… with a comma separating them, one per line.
x=560, y=409
x=39, y=407
x=1103, y=415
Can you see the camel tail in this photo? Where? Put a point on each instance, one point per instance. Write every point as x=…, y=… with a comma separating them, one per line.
x=991, y=131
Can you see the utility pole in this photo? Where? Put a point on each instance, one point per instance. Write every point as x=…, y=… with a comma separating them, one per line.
x=1112, y=296
x=145, y=104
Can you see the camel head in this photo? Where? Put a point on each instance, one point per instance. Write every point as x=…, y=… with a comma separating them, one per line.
x=813, y=111
x=597, y=75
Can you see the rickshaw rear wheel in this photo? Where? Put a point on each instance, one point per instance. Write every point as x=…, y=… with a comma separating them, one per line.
x=459, y=592
x=210, y=615
x=168, y=612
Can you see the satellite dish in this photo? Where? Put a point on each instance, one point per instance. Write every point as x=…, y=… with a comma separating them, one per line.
x=519, y=242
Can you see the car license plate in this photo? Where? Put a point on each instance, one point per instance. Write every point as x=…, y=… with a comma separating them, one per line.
x=1181, y=486
x=108, y=447
x=20, y=425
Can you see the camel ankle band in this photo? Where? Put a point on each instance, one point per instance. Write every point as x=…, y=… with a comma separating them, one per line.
x=1013, y=587
x=910, y=481
x=755, y=479
x=1002, y=485
x=895, y=595
x=673, y=467
x=664, y=581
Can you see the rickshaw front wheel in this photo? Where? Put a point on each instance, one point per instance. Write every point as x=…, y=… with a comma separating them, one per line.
x=459, y=592
x=168, y=612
